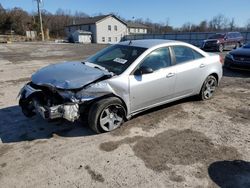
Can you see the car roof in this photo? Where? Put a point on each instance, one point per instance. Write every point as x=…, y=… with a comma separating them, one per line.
x=148, y=43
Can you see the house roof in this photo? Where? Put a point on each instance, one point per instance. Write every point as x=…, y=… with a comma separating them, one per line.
x=135, y=25
x=94, y=20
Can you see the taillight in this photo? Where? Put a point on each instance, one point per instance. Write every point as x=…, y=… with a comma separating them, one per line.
x=221, y=59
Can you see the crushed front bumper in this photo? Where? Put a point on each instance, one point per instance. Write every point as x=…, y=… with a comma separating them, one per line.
x=66, y=111
x=30, y=104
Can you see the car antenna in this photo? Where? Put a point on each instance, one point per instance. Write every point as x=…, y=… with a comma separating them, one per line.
x=130, y=42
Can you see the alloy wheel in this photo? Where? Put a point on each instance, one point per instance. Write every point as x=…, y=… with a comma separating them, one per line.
x=112, y=117
x=209, y=88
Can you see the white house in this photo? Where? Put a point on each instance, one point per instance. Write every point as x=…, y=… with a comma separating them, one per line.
x=106, y=29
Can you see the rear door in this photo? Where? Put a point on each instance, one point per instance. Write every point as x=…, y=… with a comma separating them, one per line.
x=230, y=42
x=148, y=90
x=190, y=67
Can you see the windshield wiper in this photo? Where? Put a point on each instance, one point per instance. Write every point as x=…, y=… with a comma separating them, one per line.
x=97, y=67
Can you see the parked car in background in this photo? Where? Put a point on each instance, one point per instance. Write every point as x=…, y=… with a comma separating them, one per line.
x=120, y=81
x=223, y=41
x=239, y=58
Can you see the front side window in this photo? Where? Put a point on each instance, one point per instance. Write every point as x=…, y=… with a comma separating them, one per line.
x=217, y=36
x=184, y=54
x=116, y=58
x=157, y=59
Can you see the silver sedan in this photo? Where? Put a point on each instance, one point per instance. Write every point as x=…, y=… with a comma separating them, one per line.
x=120, y=81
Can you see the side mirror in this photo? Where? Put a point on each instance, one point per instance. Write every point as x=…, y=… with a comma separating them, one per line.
x=143, y=70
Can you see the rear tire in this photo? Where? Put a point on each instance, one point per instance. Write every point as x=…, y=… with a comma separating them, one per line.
x=208, y=88
x=106, y=115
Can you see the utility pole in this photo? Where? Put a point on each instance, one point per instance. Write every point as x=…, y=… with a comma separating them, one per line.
x=40, y=18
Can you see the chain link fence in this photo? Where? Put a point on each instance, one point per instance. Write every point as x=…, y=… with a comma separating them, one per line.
x=195, y=38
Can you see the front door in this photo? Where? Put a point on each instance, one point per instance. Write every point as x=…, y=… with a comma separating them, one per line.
x=148, y=90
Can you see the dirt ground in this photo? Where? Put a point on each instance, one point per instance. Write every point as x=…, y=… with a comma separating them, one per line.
x=187, y=143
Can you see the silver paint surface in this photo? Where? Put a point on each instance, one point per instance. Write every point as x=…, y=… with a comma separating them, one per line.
x=69, y=75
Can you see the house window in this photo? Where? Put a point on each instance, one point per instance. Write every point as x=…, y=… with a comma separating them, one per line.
x=116, y=39
x=115, y=27
x=103, y=39
x=109, y=27
x=109, y=39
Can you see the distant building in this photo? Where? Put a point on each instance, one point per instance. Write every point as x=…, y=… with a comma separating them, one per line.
x=136, y=28
x=31, y=35
x=106, y=29
x=80, y=36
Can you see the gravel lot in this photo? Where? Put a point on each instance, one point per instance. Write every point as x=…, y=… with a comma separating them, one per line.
x=183, y=144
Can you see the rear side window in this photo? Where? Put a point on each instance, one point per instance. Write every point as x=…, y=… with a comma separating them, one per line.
x=238, y=35
x=157, y=59
x=230, y=35
x=197, y=55
x=184, y=54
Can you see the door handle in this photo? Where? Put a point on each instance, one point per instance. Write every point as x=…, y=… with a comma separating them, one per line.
x=202, y=65
x=170, y=75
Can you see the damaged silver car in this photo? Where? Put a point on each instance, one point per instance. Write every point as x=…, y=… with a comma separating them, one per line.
x=120, y=81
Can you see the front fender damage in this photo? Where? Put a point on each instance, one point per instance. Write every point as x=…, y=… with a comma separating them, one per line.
x=94, y=91
x=72, y=100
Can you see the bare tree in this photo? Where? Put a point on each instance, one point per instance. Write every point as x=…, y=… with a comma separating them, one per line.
x=203, y=26
x=232, y=24
x=2, y=18
x=218, y=23
x=248, y=24
x=18, y=20
x=186, y=27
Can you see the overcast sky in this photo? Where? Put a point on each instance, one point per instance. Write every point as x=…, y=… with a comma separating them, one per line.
x=176, y=11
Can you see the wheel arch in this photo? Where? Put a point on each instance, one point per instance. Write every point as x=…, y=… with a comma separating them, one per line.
x=215, y=75
x=90, y=103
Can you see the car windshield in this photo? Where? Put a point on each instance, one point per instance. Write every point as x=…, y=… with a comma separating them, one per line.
x=247, y=45
x=217, y=36
x=116, y=58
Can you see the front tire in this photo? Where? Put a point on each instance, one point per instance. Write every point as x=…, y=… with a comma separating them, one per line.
x=106, y=115
x=237, y=45
x=208, y=88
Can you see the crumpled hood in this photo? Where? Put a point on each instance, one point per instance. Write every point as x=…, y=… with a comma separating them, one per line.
x=68, y=75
